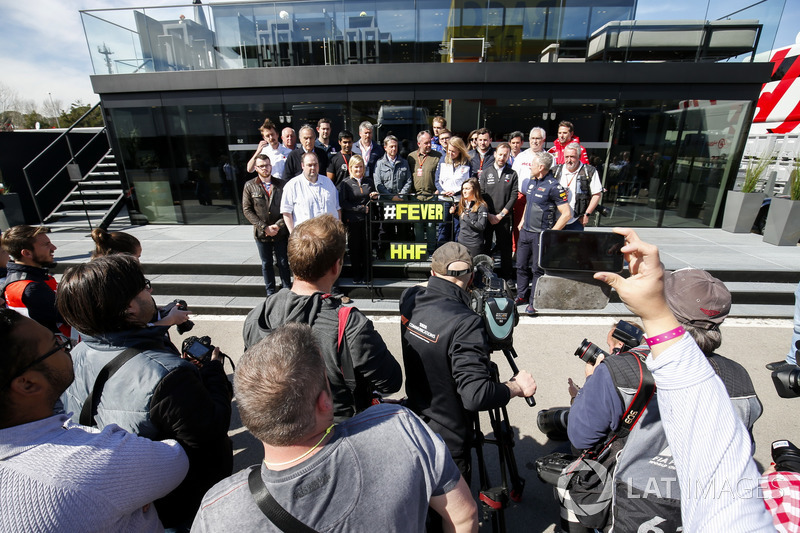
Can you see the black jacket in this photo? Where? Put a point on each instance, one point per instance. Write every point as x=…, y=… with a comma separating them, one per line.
x=354, y=199
x=475, y=161
x=446, y=357
x=294, y=162
x=38, y=297
x=374, y=365
x=262, y=211
x=499, y=189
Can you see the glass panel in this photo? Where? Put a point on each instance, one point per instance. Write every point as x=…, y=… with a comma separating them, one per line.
x=197, y=134
x=147, y=161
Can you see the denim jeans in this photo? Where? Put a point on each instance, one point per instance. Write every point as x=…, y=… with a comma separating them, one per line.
x=265, y=250
x=791, y=356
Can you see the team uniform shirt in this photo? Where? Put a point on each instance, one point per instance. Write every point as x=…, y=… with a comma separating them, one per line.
x=570, y=181
x=338, y=167
x=543, y=198
x=305, y=200
x=277, y=157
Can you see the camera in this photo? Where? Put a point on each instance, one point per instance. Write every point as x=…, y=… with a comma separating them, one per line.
x=786, y=456
x=628, y=334
x=787, y=382
x=550, y=467
x=198, y=348
x=602, y=210
x=589, y=352
x=186, y=326
x=553, y=422
x=491, y=301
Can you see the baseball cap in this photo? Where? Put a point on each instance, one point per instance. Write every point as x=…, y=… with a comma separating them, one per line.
x=697, y=298
x=448, y=254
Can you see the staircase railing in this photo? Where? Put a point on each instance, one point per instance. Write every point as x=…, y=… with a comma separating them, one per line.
x=72, y=157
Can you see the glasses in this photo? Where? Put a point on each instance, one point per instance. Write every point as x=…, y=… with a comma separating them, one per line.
x=474, y=139
x=444, y=138
x=66, y=346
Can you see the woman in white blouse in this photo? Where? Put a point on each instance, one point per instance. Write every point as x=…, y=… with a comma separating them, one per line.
x=451, y=173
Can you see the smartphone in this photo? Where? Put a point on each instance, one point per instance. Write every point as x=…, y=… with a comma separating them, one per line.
x=581, y=251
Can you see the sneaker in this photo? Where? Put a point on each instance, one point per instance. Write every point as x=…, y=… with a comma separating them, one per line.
x=520, y=301
x=529, y=310
x=777, y=366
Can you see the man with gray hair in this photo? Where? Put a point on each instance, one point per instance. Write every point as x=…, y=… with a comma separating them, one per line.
x=544, y=197
x=522, y=166
x=378, y=471
x=392, y=174
x=294, y=164
x=367, y=148
x=582, y=185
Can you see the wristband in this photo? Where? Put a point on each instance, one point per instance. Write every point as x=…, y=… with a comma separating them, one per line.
x=664, y=337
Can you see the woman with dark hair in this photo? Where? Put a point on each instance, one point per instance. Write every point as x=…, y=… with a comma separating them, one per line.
x=115, y=242
x=355, y=193
x=473, y=215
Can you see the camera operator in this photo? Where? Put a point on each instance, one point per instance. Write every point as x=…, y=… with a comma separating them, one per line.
x=706, y=455
x=446, y=355
x=150, y=390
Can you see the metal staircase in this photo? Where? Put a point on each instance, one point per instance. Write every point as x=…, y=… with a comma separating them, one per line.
x=93, y=199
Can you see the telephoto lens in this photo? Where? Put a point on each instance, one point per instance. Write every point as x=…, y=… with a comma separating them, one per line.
x=589, y=352
x=787, y=382
x=553, y=422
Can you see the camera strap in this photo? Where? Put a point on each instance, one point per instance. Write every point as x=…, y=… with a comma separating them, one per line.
x=89, y=410
x=345, y=359
x=271, y=508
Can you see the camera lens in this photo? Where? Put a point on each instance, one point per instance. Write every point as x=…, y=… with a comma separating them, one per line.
x=553, y=422
x=787, y=382
x=589, y=352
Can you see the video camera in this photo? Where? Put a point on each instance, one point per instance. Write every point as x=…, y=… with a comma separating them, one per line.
x=491, y=300
x=629, y=335
x=786, y=456
x=787, y=382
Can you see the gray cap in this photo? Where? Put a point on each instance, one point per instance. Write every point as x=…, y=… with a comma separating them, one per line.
x=448, y=254
x=697, y=298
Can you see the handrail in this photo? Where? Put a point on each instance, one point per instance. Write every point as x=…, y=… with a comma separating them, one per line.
x=60, y=136
x=72, y=155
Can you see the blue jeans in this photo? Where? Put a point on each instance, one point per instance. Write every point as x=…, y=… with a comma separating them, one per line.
x=265, y=250
x=791, y=357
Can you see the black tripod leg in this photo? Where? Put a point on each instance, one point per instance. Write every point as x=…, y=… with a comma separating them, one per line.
x=487, y=504
x=507, y=440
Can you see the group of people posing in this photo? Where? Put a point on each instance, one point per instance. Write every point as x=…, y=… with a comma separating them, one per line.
x=498, y=198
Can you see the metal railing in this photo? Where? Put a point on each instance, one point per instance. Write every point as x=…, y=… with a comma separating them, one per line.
x=66, y=172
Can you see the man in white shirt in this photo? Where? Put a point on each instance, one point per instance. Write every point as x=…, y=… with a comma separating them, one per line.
x=309, y=195
x=582, y=185
x=270, y=147
x=522, y=166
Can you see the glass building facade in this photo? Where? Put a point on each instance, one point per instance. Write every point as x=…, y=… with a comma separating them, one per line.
x=663, y=108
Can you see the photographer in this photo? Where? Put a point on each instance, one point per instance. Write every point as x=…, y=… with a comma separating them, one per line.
x=700, y=302
x=446, y=355
x=153, y=392
x=707, y=455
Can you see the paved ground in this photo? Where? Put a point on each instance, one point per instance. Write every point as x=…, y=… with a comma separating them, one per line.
x=545, y=346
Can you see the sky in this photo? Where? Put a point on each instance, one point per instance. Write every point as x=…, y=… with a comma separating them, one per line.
x=43, y=50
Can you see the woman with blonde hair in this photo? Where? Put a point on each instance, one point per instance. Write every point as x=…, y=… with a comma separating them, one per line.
x=473, y=215
x=355, y=193
x=451, y=173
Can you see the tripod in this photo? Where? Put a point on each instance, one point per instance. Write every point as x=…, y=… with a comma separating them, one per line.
x=495, y=499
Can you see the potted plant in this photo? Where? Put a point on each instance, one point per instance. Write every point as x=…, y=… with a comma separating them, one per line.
x=741, y=207
x=783, y=221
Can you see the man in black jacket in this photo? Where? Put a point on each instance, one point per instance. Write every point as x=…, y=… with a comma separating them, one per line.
x=29, y=289
x=307, y=138
x=446, y=355
x=499, y=186
x=316, y=254
x=261, y=203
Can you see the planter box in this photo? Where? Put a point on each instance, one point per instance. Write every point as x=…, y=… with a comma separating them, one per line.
x=783, y=222
x=10, y=211
x=741, y=210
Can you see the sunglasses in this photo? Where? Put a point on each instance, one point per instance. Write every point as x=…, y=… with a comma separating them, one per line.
x=66, y=346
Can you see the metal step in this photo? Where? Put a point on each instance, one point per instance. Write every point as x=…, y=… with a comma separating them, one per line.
x=90, y=204
x=94, y=192
x=98, y=183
